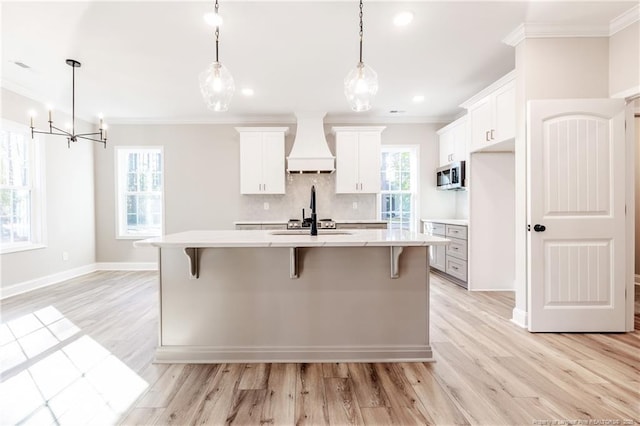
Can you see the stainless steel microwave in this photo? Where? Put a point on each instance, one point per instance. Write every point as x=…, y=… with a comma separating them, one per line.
x=451, y=176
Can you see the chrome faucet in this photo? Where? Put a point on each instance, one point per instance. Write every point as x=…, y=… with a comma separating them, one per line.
x=314, y=221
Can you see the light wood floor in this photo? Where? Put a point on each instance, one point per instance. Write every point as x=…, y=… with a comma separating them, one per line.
x=95, y=367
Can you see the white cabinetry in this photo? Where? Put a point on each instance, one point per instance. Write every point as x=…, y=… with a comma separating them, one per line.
x=358, y=159
x=453, y=141
x=262, y=168
x=492, y=116
x=451, y=259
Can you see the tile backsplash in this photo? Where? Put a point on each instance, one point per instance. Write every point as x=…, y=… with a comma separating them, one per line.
x=298, y=195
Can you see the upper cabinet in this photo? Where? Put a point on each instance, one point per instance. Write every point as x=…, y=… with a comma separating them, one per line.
x=492, y=117
x=262, y=168
x=358, y=159
x=453, y=141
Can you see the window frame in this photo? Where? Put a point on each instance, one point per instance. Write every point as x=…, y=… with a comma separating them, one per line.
x=120, y=202
x=415, y=214
x=37, y=188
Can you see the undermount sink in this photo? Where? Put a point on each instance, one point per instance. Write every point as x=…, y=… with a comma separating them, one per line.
x=307, y=232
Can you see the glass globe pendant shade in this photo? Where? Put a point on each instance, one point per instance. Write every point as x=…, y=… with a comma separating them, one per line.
x=217, y=87
x=360, y=86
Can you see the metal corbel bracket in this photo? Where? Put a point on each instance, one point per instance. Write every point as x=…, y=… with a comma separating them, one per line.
x=395, y=258
x=194, y=264
x=293, y=263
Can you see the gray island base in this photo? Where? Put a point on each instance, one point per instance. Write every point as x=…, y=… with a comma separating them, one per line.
x=246, y=305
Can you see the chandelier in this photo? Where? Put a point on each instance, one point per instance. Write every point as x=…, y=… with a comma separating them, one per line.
x=361, y=84
x=216, y=83
x=70, y=133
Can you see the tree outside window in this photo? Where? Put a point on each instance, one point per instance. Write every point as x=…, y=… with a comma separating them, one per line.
x=399, y=184
x=140, y=192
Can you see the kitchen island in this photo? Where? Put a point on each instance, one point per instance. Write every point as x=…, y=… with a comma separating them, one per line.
x=286, y=296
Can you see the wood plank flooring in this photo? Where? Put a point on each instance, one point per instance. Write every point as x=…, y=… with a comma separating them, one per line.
x=81, y=353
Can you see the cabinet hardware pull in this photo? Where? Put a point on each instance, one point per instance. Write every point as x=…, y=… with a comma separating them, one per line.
x=539, y=228
x=492, y=130
x=486, y=136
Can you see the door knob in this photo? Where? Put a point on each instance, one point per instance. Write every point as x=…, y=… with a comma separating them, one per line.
x=539, y=228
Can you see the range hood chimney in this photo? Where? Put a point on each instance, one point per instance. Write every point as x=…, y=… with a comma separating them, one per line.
x=310, y=152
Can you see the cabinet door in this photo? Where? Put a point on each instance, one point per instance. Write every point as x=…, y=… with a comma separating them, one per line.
x=460, y=142
x=273, y=173
x=369, y=162
x=437, y=257
x=251, y=163
x=480, y=124
x=504, y=113
x=446, y=147
x=347, y=181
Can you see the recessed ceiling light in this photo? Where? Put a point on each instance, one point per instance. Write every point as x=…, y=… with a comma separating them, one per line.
x=213, y=19
x=418, y=98
x=247, y=91
x=403, y=18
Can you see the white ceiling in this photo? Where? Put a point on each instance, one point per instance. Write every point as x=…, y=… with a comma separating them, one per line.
x=141, y=60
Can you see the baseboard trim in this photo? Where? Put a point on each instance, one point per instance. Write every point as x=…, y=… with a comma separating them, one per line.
x=519, y=318
x=210, y=354
x=26, y=286
x=126, y=266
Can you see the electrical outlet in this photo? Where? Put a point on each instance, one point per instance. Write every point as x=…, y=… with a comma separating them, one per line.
x=65, y=255
x=266, y=206
x=355, y=205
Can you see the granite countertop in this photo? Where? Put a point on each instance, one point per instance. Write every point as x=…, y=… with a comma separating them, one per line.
x=327, y=238
x=463, y=222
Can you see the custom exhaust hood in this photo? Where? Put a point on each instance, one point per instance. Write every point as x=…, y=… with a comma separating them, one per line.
x=310, y=152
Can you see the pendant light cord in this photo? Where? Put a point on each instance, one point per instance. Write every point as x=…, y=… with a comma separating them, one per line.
x=217, y=30
x=361, y=32
x=73, y=99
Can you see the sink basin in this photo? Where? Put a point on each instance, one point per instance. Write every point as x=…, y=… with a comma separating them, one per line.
x=307, y=232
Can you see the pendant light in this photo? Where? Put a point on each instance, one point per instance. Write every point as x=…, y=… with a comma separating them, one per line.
x=216, y=83
x=361, y=84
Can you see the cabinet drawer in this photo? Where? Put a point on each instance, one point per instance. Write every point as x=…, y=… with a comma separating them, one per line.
x=456, y=231
x=457, y=268
x=433, y=228
x=457, y=248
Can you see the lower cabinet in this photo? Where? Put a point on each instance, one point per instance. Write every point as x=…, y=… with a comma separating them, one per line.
x=362, y=225
x=259, y=226
x=451, y=259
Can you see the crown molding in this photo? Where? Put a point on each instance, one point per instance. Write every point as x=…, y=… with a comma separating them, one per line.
x=488, y=90
x=281, y=119
x=625, y=19
x=551, y=30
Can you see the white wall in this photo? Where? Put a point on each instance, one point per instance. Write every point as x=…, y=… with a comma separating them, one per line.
x=549, y=68
x=69, y=202
x=637, y=251
x=624, y=62
x=492, y=227
x=202, y=189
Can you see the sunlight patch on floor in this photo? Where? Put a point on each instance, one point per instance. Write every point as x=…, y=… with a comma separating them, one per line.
x=80, y=383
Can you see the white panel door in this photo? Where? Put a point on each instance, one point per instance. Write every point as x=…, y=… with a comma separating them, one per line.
x=369, y=162
x=576, y=191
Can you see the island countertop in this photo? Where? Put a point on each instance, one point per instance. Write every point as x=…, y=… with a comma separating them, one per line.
x=260, y=238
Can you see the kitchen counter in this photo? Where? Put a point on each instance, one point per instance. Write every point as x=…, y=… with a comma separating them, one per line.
x=284, y=222
x=328, y=238
x=255, y=296
x=462, y=222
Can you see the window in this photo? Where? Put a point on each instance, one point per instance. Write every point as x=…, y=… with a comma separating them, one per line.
x=399, y=186
x=21, y=190
x=140, y=195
